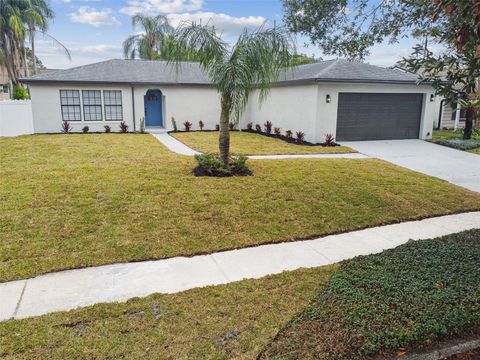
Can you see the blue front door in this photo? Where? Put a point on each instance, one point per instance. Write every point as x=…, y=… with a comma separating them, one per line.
x=153, y=108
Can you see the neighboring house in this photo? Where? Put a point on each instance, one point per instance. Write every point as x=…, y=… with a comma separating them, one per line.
x=5, y=81
x=351, y=100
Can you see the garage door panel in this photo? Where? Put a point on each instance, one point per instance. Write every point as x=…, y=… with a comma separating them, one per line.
x=376, y=116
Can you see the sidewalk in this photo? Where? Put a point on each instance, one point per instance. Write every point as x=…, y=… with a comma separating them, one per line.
x=70, y=289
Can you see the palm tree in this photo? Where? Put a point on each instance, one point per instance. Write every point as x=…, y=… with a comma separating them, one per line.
x=253, y=63
x=153, y=42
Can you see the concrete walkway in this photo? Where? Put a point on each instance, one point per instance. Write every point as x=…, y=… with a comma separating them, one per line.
x=458, y=167
x=178, y=147
x=67, y=290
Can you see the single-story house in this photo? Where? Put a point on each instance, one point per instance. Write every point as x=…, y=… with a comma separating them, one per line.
x=351, y=100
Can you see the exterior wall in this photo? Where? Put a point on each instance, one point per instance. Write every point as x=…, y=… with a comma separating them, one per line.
x=184, y=103
x=448, y=118
x=327, y=112
x=47, y=112
x=288, y=107
x=16, y=117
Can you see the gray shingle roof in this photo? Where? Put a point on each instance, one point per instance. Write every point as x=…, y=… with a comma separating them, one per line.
x=190, y=73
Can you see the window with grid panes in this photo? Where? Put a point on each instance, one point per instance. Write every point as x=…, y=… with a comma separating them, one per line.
x=92, y=105
x=70, y=104
x=112, y=101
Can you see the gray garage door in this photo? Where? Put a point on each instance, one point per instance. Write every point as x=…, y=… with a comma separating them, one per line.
x=369, y=116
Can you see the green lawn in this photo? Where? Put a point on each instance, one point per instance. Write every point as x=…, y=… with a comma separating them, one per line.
x=404, y=298
x=408, y=297
x=69, y=201
x=245, y=143
x=217, y=322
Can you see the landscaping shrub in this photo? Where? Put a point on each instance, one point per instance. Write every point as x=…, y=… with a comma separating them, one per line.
x=408, y=297
x=187, y=125
x=277, y=131
x=174, y=124
x=231, y=126
x=250, y=126
x=329, y=140
x=201, y=125
x=123, y=127
x=66, y=127
x=268, y=127
x=217, y=127
x=289, y=134
x=85, y=129
x=142, y=125
x=460, y=144
x=258, y=128
x=475, y=132
x=299, y=137
x=107, y=128
x=211, y=165
x=20, y=93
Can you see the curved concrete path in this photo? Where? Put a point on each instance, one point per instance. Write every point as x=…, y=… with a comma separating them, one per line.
x=70, y=289
x=178, y=147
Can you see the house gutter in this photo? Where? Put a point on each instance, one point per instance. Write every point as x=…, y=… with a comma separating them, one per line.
x=133, y=106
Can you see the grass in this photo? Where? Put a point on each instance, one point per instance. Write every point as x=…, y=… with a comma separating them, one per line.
x=244, y=143
x=70, y=201
x=408, y=297
x=228, y=321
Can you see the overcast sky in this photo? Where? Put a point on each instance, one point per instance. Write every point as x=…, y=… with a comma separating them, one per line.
x=94, y=30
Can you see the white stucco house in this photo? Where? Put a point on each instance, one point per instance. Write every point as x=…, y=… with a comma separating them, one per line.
x=352, y=100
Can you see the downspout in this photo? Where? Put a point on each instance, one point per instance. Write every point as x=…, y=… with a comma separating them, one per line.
x=133, y=107
x=440, y=114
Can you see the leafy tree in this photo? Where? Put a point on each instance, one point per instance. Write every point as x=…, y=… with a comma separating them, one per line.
x=351, y=27
x=301, y=59
x=254, y=62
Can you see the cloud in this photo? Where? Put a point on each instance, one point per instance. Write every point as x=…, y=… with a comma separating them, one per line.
x=91, y=16
x=226, y=24
x=155, y=7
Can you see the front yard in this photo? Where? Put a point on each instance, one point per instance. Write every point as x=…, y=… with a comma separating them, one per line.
x=245, y=143
x=406, y=298
x=70, y=201
x=455, y=139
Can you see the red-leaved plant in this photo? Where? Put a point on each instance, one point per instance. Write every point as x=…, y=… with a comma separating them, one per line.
x=201, y=125
x=66, y=127
x=250, y=126
x=329, y=140
x=123, y=127
x=300, y=136
x=289, y=134
x=268, y=127
x=187, y=125
x=277, y=131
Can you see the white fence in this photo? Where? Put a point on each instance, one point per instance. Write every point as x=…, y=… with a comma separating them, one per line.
x=16, y=117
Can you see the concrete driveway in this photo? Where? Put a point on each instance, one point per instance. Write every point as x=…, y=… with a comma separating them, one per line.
x=458, y=167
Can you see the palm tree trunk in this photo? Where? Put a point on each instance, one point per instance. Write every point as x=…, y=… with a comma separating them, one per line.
x=32, y=45
x=469, y=117
x=224, y=136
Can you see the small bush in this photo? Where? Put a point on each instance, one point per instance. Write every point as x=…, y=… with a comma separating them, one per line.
x=277, y=131
x=187, y=125
x=85, y=129
x=475, y=132
x=299, y=137
x=201, y=125
x=211, y=165
x=268, y=127
x=258, y=128
x=289, y=134
x=66, y=127
x=174, y=124
x=250, y=126
x=329, y=140
x=231, y=126
x=123, y=127
x=460, y=144
x=142, y=125
x=217, y=127
x=107, y=128
x=20, y=93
